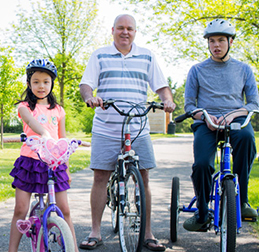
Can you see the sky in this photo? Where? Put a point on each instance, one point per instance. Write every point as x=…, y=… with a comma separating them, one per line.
x=107, y=13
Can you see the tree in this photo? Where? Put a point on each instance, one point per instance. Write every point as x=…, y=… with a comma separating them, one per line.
x=177, y=26
x=10, y=85
x=184, y=126
x=60, y=30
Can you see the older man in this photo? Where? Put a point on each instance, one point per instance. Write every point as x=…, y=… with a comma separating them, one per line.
x=122, y=70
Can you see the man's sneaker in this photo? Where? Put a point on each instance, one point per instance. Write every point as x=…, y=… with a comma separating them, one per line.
x=191, y=224
x=248, y=213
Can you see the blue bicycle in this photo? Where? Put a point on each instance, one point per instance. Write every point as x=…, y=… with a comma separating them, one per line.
x=224, y=205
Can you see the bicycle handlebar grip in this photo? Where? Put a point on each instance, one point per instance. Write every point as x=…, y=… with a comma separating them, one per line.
x=23, y=137
x=104, y=102
x=161, y=105
x=182, y=117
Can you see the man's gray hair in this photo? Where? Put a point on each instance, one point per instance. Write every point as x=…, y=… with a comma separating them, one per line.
x=116, y=19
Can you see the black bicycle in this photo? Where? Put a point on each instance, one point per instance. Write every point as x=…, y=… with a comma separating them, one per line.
x=125, y=189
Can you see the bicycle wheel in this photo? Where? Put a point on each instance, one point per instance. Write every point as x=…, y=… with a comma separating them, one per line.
x=228, y=217
x=132, y=221
x=59, y=236
x=114, y=199
x=174, y=213
x=34, y=211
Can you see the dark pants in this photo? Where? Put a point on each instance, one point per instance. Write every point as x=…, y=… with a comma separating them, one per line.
x=244, y=152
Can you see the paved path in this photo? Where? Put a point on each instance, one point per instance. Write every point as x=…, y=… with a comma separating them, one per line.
x=174, y=158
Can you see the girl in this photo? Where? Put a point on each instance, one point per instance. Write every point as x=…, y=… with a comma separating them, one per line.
x=42, y=116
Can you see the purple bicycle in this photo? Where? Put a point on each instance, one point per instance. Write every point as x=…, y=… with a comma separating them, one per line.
x=46, y=227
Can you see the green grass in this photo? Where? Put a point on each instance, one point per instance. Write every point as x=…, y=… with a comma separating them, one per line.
x=253, y=189
x=7, y=157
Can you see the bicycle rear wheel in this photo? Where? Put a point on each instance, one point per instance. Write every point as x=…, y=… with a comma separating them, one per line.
x=59, y=236
x=174, y=210
x=132, y=221
x=34, y=211
x=228, y=217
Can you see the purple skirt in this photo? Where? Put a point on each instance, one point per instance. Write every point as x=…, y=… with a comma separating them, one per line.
x=31, y=175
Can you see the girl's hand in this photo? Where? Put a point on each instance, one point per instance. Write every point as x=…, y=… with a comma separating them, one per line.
x=46, y=134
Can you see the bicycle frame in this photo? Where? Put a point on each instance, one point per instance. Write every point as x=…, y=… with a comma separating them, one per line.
x=126, y=157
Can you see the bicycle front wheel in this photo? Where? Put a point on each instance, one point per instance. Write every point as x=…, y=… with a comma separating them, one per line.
x=132, y=221
x=174, y=210
x=59, y=236
x=228, y=217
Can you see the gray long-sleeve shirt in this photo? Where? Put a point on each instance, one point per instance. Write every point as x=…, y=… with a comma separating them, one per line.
x=221, y=87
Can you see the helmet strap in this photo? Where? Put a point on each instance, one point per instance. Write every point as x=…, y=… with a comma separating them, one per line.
x=227, y=50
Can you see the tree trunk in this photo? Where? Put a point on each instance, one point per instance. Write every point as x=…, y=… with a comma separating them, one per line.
x=62, y=94
x=2, y=126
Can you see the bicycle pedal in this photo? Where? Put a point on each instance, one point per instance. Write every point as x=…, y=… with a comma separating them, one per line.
x=249, y=219
x=204, y=228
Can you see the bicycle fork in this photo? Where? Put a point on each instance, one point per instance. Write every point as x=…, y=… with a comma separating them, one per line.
x=122, y=173
x=225, y=171
x=51, y=208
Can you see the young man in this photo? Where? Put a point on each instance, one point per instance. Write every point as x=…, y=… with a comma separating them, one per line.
x=219, y=85
x=123, y=71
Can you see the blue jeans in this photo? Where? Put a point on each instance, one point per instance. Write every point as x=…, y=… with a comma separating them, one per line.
x=205, y=146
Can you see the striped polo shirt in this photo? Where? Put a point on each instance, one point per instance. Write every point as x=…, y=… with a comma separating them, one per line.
x=116, y=76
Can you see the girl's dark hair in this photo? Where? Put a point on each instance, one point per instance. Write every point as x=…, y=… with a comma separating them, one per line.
x=32, y=99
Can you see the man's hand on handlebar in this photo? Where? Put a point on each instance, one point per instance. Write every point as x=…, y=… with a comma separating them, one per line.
x=225, y=120
x=228, y=118
x=95, y=102
x=169, y=106
x=214, y=120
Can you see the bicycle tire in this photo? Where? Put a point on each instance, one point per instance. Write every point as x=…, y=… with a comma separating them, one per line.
x=59, y=236
x=114, y=200
x=174, y=209
x=132, y=221
x=228, y=217
x=34, y=210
